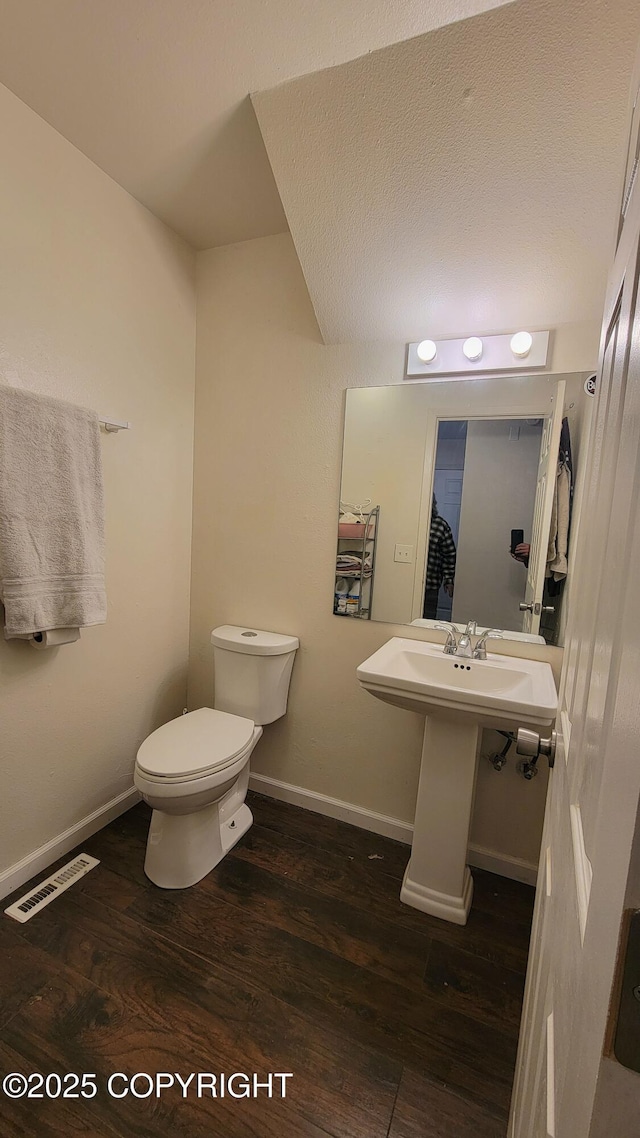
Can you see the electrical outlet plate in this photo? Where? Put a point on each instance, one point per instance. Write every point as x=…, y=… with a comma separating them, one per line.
x=403, y=554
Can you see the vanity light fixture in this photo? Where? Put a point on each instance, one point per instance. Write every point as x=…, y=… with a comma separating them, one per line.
x=471, y=356
x=472, y=348
x=426, y=351
x=521, y=344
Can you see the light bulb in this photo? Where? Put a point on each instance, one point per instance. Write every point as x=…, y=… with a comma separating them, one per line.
x=472, y=348
x=521, y=344
x=426, y=351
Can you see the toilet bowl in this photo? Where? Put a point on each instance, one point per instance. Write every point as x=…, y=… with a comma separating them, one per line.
x=194, y=771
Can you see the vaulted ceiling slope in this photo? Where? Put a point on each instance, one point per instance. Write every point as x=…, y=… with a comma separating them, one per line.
x=156, y=91
x=467, y=179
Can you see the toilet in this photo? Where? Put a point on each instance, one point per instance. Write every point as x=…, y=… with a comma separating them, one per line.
x=194, y=771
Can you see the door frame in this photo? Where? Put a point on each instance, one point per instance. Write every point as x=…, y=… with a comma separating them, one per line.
x=499, y=403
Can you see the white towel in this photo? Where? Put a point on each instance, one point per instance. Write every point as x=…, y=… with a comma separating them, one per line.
x=559, y=529
x=51, y=515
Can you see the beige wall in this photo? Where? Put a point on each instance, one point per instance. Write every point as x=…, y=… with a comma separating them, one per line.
x=96, y=306
x=269, y=418
x=269, y=415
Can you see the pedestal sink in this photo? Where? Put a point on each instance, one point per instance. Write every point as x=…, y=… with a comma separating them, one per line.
x=458, y=696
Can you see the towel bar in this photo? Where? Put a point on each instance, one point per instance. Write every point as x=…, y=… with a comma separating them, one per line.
x=113, y=425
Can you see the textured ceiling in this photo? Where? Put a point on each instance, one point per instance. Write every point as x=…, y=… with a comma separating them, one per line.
x=464, y=180
x=156, y=91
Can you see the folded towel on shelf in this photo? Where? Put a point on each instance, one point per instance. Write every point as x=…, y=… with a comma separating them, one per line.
x=51, y=515
x=346, y=560
x=350, y=558
x=351, y=563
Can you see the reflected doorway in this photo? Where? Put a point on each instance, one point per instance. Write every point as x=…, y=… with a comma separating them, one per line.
x=484, y=487
x=447, y=488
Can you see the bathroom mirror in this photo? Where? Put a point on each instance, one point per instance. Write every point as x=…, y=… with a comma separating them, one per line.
x=442, y=482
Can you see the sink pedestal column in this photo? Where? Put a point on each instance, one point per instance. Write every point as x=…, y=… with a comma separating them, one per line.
x=437, y=879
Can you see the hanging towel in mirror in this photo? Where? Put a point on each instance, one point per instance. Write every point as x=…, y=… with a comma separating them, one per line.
x=561, y=512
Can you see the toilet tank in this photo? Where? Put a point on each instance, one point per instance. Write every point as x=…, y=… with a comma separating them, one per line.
x=252, y=671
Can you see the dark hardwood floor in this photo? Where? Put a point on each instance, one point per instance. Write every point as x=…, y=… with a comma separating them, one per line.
x=294, y=955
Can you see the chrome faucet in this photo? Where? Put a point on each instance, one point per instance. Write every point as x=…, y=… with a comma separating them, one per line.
x=464, y=643
x=461, y=646
x=480, y=650
x=459, y=643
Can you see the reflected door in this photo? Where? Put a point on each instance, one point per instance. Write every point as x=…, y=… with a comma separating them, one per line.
x=543, y=509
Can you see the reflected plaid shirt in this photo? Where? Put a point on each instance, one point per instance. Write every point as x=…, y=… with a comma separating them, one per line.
x=441, y=559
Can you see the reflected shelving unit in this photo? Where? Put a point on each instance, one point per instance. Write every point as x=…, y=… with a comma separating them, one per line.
x=358, y=540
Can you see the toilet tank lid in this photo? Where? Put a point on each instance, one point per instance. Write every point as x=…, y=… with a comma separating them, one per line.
x=236, y=638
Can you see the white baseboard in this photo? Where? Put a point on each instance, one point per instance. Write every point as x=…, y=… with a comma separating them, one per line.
x=502, y=864
x=333, y=808
x=42, y=858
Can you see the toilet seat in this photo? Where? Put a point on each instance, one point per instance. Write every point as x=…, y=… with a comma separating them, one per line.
x=195, y=745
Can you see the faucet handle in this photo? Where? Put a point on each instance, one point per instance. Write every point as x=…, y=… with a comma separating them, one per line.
x=480, y=650
x=451, y=643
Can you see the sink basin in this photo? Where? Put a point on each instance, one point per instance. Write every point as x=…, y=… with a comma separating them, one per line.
x=501, y=689
x=457, y=698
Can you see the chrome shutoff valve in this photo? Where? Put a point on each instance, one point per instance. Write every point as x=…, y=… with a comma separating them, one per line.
x=531, y=746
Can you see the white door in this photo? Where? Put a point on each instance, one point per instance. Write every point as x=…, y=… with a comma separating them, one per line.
x=594, y=788
x=545, y=489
